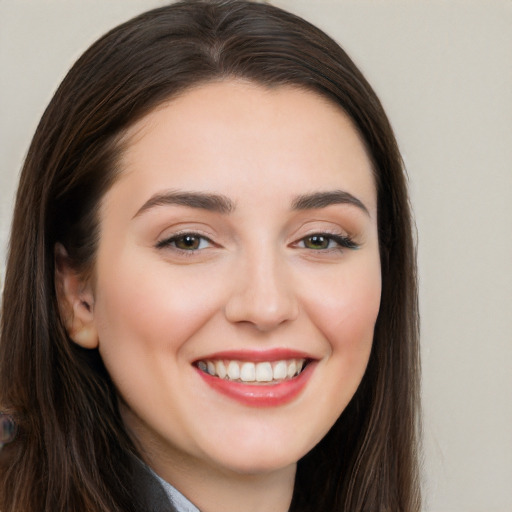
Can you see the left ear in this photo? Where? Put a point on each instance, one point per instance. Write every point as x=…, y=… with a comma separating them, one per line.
x=76, y=301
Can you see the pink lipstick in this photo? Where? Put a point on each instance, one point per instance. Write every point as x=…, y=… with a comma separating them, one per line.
x=257, y=378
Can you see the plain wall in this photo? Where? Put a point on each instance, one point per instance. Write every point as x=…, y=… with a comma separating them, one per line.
x=443, y=70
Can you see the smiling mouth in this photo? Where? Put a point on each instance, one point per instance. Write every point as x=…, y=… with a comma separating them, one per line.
x=247, y=372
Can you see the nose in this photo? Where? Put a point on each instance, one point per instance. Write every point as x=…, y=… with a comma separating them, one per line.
x=262, y=295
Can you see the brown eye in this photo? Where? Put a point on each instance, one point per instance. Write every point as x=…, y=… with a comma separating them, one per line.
x=327, y=241
x=185, y=242
x=317, y=242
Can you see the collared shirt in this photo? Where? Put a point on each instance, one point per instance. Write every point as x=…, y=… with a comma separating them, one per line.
x=156, y=494
x=180, y=503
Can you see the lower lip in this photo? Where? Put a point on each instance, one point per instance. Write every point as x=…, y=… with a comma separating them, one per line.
x=263, y=395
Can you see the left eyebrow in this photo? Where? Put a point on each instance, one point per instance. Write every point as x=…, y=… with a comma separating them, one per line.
x=201, y=200
x=324, y=199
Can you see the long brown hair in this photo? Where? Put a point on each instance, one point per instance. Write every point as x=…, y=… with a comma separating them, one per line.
x=71, y=452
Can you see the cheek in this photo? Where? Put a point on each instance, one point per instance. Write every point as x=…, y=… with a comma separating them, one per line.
x=353, y=316
x=346, y=311
x=148, y=315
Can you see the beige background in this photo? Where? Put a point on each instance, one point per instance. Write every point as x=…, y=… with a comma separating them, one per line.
x=443, y=70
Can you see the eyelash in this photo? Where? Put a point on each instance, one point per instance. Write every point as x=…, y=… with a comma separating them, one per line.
x=342, y=242
x=172, y=241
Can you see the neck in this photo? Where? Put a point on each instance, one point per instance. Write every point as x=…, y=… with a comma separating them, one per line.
x=213, y=490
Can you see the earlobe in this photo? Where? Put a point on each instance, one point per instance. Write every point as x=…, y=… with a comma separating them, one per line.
x=75, y=300
x=85, y=336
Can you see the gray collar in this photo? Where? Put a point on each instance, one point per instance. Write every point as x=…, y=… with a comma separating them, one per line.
x=157, y=495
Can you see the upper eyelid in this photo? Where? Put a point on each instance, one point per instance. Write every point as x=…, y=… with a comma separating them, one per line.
x=336, y=225
x=326, y=231
x=173, y=233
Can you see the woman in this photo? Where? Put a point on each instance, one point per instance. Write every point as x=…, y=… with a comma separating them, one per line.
x=210, y=296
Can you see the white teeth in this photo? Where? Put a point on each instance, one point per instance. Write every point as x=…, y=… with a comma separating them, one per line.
x=280, y=370
x=220, y=369
x=248, y=372
x=264, y=372
x=292, y=369
x=252, y=372
x=233, y=370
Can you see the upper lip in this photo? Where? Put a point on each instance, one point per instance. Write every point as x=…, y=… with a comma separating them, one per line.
x=275, y=354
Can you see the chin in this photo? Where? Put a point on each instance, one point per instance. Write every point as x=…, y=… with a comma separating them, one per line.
x=254, y=460
x=261, y=466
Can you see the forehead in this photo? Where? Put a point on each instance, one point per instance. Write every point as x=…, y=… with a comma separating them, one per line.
x=236, y=136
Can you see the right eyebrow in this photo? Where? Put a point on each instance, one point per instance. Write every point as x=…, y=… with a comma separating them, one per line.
x=202, y=200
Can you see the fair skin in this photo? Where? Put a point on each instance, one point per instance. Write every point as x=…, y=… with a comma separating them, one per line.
x=282, y=269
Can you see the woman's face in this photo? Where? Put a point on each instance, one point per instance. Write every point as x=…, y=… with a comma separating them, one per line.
x=238, y=245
